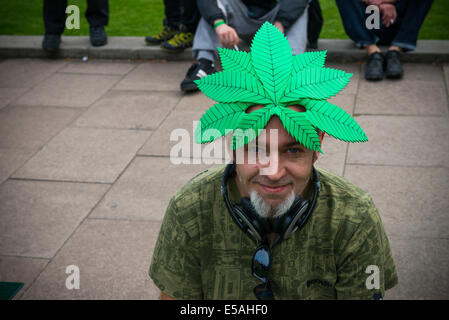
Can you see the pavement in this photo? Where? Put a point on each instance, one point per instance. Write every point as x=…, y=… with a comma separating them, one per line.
x=85, y=173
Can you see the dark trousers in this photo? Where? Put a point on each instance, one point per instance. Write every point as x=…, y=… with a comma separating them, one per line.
x=183, y=12
x=402, y=33
x=97, y=14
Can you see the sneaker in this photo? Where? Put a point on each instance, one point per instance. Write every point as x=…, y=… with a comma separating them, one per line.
x=51, y=42
x=374, y=69
x=393, y=66
x=180, y=42
x=165, y=34
x=198, y=70
x=98, y=36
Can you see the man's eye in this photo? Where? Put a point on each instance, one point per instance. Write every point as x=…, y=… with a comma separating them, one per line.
x=294, y=150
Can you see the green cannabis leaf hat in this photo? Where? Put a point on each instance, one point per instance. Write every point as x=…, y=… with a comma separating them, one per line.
x=272, y=76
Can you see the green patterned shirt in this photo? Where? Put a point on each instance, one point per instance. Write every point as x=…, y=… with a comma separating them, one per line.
x=202, y=254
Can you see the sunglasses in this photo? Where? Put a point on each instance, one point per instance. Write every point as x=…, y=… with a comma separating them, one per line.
x=261, y=267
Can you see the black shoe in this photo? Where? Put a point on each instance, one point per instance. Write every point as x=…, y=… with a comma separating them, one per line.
x=165, y=34
x=374, y=69
x=179, y=42
x=51, y=42
x=198, y=70
x=393, y=66
x=98, y=36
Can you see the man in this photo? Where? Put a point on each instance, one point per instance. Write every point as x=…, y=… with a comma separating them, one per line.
x=179, y=25
x=97, y=14
x=273, y=228
x=223, y=22
x=401, y=21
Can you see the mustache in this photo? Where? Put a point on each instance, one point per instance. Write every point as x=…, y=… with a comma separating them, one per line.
x=266, y=181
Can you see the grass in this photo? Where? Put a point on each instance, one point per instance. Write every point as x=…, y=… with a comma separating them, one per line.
x=143, y=17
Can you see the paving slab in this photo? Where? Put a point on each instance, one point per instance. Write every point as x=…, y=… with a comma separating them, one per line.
x=11, y=160
x=31, y=127
x=446, y=75
x=412, y=201
x=113, y=258
x=402, y=141
x=144, y=190
x=18, y=269
x=8, y=95
x=344, y=101
x=354, y=68
x=333, y=156
x=69, y=90
x=98, y=67
x=157, y=76
x=25, y=73
x=422, y=265
x=84, y=155
x=37, y=216
x=420, y=93
x=141, y=110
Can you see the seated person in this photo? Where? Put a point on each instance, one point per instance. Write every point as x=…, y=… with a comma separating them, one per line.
x=269, y=225
x=224, y=21
x=399, y=28
x=179, y=25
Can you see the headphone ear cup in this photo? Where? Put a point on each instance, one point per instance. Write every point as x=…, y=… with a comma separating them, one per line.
x=262, y=225
x=284, y=223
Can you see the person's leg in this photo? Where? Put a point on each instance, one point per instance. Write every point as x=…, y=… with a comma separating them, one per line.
x=54, y=23
x=297, y=33
x=353, y=16
x=172, y=9
x=97, y=13
x=411, y=14
x=190, y=15
x=54, y=16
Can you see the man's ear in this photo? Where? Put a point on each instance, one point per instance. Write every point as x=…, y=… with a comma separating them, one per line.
x=317, y=153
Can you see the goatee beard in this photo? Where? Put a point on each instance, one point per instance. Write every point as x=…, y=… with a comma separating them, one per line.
x=265, y=210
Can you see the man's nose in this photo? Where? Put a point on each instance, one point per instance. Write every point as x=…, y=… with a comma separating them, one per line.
x=273, y=168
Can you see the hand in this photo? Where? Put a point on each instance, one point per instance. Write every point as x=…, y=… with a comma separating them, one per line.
x=389, y=14
x=228, y=36
x=280, y=26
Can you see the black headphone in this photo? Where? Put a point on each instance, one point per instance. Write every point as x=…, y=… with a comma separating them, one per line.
x=246, y=217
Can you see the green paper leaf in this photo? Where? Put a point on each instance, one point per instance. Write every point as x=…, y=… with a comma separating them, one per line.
x=228, y=86
x=233, y=60
x=300, y=128
x=272, y=59
x=306, y=60
x=249, y=125
x=222, y=117
x=333, y=120
x=316, y=83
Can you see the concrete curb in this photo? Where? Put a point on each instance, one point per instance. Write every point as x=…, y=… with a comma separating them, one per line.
x=428, y=51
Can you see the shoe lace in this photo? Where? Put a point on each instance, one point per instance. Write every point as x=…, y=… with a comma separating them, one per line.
x=181, y=38
x=164, y=33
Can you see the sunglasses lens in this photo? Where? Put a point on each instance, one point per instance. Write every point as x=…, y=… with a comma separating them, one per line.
x=263, y=292
x=261, y=263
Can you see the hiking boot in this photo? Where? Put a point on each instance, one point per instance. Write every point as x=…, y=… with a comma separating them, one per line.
x=165, y=34
x=393, y=66
x=180, y=42
x=198, y=70
x=51, y=42
x=98, y=36
x=374, y=69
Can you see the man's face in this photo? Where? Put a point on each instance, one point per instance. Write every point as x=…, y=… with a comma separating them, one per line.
x=292, y=165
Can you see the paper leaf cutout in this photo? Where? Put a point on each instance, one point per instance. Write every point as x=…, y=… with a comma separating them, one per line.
x=272, y=59
x=222, y=117
x=300, y=128
x=333, y=120
x=228, y=86
x=314, y=59
x=249, y=126
x=232, y=60
x=316, y=83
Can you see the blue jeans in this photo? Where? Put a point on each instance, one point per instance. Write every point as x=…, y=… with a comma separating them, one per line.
x=402, y=33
